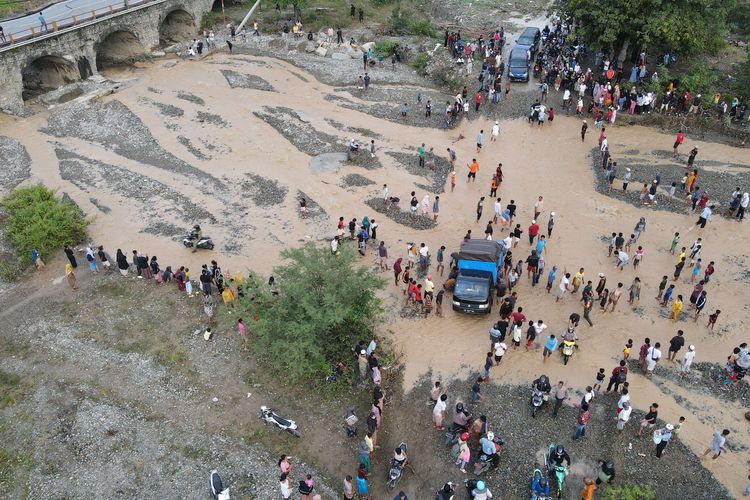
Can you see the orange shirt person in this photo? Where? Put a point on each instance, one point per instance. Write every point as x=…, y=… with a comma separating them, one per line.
x=473, y=168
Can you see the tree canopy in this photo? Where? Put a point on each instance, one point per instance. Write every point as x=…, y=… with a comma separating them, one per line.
x=325, y=304
x=684, y=26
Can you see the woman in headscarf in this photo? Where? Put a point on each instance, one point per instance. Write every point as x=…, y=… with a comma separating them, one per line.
x=70, y=276
x=426, y=204
x=122, y=262
x=144, y=267
x=91, y=259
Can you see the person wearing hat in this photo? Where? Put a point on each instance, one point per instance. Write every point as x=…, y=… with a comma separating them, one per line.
x=626, y=179
x=533, y=231
x=687, y=361
x=550, y=224
x=661, y=438
x=495, y=131
x=481, y=492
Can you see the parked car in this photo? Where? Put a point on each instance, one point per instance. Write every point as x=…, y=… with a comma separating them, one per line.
x=518, y=64
x=530, y=40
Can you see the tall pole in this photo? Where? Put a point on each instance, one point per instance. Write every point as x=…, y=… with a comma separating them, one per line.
x=247, y=17
x=223, y=14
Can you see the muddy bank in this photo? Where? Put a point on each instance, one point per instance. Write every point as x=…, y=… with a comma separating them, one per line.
x=16, y=163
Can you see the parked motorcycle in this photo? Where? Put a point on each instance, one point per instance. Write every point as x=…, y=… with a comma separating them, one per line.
x=218, y=492
x=395, y=471
x=197, y=241
x=567, y=350
x=269, y=416
x=538, y=398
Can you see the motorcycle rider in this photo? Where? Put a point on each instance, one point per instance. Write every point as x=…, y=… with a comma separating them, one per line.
x=402, y=459
x=605, y=472
x=461, y=416
x=539, y=488
x=196, y=233
x=488, y=448
x=446, y=492
x=542, y=384
x=559, y=456
x=481, y=492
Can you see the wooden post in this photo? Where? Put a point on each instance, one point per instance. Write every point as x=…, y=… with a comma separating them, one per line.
x=10, y=37
x=110, y=8
x=54, y=25
x=74, y=20
x=93, y=14
x=33, y=33
x=126, y=4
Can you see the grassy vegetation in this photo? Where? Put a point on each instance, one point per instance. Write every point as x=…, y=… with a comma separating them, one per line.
x=37, y=219
x=10, y=465
x=10, y=388
x=419, y=62
x=10, y=7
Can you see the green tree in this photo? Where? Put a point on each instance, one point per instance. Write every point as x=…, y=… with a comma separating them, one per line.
x=685, y=26
x=325, y=304
x=297, y=5
x=37, y=219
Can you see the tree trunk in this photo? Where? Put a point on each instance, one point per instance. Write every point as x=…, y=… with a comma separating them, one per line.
x=623, y=51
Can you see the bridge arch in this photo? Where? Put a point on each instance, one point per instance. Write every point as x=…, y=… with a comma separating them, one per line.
x=118, y=47
x=46, y=73
x=177, y=26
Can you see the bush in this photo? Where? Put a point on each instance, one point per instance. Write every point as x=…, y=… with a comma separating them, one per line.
x=384, y=48
x=326, y=304
x=423, y=28
x=419, y=62
x=446, y=77
x=699, y=80
x=627, y=492
x=36, y=219
x=400, y=21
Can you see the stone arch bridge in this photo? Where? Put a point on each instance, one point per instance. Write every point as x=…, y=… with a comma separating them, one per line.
x=80, y=49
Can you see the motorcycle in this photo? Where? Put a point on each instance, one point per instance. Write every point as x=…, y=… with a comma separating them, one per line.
x=395, y=471
x=539, y=492
x=218, y=492
x=560, y=472
x=269, y=416
x=192, y=241
x=567, y=350
x=484, y=462
x=538, y=398
x=447, y=492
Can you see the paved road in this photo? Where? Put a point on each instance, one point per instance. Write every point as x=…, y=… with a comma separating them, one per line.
x=61, y=12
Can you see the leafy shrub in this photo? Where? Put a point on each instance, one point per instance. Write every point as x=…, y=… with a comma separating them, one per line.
x=325, y=304
x=419, y=62
x=423, y=27
x=627, y=492
x=37, y=219
x=700, y=79
x=446, y=77
x=400, y=21
x=385, y=48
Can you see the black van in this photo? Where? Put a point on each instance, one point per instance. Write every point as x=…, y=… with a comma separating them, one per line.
x=530, y=39
x=518, y=65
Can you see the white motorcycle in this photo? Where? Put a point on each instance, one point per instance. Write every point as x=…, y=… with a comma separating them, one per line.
x=269, y=416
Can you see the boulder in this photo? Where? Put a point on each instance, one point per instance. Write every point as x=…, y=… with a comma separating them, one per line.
x=309, y=47
x=353, y=53
x=368, y=45
x=321, y=51
x=340, y=55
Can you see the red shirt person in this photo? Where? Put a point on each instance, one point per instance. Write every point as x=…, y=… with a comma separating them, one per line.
x=679, y=140
x=533, y=231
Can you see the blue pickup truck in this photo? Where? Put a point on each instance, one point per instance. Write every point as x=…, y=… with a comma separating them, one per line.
x=478, y=263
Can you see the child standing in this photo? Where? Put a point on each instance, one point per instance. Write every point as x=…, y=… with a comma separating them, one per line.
x=599, y=379
x=675, y=241
x=712, y=319
x=662, y=286
x=243, y=333
x=627, y=349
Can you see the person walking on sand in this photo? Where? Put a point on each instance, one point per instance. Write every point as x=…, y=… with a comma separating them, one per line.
x=679, y=140
x=473, y=169
x=71, y=256
x=495, y=131
x=676, y=309
x=480, y=141
x=480, y=207
x=675, y=344
x=653, y=355
x=717, y=445
x=614, y=297
x=584, y=128
x=438, y=412
x=70, y=277
x=687, y=361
